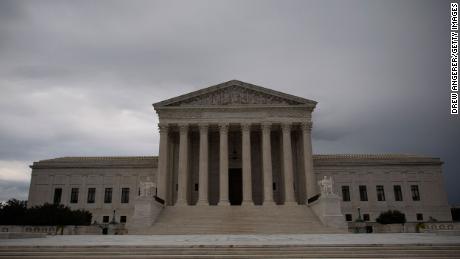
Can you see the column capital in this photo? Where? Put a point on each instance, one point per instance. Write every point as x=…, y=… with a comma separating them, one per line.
x=266, y=126
x=163, y=127
x=306, y=126
x=223, y=127
x=203, y=127
x=246, y=126
x=286, y=126
x=183, y=128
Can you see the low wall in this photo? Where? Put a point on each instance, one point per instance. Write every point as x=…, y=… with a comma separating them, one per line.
x=52, y=230
x=409, y=227
x=448, y=228
x=374, y=227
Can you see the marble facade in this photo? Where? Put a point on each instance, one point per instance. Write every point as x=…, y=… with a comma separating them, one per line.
x=244, y=145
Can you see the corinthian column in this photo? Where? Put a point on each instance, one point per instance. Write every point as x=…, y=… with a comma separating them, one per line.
x=223, y=165
x=203, y=166
x=163, y=163
x=287, y=165
x=267, y=164
x=310, y=181
x=247, y=179
x=183, y=165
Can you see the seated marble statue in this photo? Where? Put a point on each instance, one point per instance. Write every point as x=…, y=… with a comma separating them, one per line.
x=147, y=188
x=325, y=185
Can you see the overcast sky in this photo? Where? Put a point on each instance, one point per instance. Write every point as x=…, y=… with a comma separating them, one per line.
x=77, y=78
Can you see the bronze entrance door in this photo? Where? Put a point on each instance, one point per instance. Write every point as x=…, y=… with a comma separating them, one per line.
x=235, y=186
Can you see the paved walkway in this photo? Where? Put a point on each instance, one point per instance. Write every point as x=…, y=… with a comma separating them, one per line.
x=210, y=240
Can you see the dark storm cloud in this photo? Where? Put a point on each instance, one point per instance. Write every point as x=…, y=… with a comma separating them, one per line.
x=79, y=77
x=13, y=190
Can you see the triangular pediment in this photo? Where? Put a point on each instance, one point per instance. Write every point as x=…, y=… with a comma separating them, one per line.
x=234, y=93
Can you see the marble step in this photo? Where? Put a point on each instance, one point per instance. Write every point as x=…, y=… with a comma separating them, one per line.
x=237, y=219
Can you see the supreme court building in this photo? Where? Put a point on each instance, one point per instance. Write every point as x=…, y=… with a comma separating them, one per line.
x=237, y=153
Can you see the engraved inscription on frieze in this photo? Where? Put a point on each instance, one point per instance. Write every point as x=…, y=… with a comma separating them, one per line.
x=236, y=95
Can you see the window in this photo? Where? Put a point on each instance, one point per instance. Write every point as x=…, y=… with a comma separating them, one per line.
x=108, y=195
x=363, y=192
x=274, y=186
x=348, y=217
x=415, y=192
x=122, y=219
x=91, y=195
x=380, y=193
x=57, y=195
x=74, y=195
x=196, y=187
x=398, y=193
x=124, y=195
x=105, y=219
x=366, y=217
x=346, y=193
x=419, y=216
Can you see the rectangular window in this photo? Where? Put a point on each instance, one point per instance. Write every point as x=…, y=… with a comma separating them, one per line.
x=108, y=195
x=398, y=193
x=380, y=193
x=105, y=219
x=274, y=186
x=366, y=217
x=196, y=187
x=348, y=217
x=419, y=216
x=122, y=219
x=57, y=195
x=415, y=192
x=363, y=192
x=91, y=195
x=124, y=195
x=74, y=195
x=346, y=193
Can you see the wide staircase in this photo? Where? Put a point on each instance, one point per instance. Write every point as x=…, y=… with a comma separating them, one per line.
x=297, y=219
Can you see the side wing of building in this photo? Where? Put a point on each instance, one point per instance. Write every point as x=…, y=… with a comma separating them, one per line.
x=97, y=184
x=375, y=183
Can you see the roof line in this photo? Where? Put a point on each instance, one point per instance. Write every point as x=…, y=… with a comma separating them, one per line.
x=315, y=156
x=231, y=83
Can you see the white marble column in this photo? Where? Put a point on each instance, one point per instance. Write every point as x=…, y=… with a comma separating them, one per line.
x=163, y=163
x=183, y=165
x=267, y=164
x=310, y=180
x=246, y=160
x=223, y=166
x=203, y=166
x=289, y=196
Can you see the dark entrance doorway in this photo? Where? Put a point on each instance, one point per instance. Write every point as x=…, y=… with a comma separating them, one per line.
x=235, y=186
